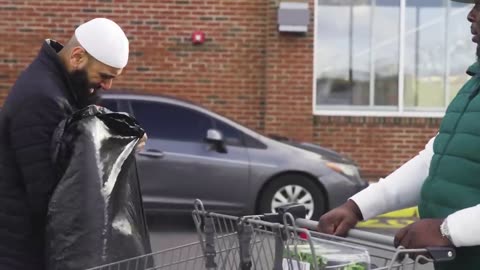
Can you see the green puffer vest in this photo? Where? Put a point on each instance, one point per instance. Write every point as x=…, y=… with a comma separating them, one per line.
x=453, y=182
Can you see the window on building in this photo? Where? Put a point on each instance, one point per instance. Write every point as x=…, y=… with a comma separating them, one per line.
x=390, y=57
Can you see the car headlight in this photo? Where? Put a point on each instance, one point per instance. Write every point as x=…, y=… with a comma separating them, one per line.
x=346, y=169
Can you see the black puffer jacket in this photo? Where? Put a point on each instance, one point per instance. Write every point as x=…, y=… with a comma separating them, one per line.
x=39, y=100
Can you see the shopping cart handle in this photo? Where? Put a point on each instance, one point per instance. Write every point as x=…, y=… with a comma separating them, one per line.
x=442, y=254
x=295, y=209
x=356, y=234
x=372, y=237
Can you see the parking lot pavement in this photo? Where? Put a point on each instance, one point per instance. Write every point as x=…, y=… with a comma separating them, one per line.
x=168, y=231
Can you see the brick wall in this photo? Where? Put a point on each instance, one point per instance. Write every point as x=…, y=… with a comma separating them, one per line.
x=378, y=144
x=245, y=70
x=289, y=79
x=226, y=73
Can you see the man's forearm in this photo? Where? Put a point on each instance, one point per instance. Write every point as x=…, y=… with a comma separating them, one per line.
x=399, y=190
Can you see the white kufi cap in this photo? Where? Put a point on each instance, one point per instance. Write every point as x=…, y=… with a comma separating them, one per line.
x=105, y=41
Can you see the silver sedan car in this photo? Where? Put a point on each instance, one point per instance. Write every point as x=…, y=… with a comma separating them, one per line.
x=194, y=153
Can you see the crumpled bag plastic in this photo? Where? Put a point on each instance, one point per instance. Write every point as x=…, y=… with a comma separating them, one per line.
x=95, y=213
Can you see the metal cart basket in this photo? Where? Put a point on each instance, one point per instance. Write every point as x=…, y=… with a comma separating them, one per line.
x=276, y=242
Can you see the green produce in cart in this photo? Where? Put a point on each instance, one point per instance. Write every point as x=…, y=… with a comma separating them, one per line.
x=326, y=256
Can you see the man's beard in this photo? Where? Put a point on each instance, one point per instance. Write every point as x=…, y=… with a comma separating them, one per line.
x=83, y=88
x=478, y=52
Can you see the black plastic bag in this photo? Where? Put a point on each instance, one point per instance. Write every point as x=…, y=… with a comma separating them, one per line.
x=95, y=214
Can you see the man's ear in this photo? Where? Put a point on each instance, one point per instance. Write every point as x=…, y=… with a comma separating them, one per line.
x=78, y=57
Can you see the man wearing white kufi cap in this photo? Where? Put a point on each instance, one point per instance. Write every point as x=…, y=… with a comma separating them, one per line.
x=59, y=81
x=105, y=41
x=443, y=180
x=97, y=53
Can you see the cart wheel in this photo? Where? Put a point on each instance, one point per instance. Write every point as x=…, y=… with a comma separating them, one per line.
x=291, y=188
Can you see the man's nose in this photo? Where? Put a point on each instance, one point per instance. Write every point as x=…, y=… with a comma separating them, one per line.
x=107, y=84
x=473, y=14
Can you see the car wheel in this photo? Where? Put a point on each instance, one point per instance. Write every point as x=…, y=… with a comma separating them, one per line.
x=293, y=189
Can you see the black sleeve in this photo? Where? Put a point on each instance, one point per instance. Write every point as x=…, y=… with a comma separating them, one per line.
x=31, y=130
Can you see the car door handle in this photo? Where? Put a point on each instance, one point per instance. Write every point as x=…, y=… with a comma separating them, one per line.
x=152, y=153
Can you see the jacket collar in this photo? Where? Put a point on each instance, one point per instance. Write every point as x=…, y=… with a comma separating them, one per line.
x=48, y=56
x=474, y=69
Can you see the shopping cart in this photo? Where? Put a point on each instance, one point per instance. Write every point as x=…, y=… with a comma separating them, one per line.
x=278, y=242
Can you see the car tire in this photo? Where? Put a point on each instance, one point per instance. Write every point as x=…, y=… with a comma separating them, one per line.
x=301, y=184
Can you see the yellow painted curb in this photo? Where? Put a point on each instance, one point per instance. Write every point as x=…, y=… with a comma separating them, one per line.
x=386, y=223
x=393, y=220
x=403, y=213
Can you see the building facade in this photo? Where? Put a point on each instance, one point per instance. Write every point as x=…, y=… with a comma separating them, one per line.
x=370, y=78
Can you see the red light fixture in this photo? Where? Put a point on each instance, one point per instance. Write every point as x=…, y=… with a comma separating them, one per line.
x=198, y=37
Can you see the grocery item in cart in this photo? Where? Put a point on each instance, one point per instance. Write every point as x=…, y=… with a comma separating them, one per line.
x=328, y=256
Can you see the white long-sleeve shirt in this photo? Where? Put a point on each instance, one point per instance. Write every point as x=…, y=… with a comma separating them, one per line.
x=401, y=189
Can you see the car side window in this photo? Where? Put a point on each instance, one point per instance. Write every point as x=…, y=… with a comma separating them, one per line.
x=254, y=143
x=110, y=104
x=231, y=135
x=171, y=122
